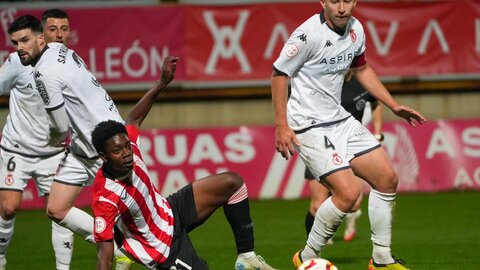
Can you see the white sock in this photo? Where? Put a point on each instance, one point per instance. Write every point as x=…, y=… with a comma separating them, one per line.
x=79, y=222
x=247, y=255
x=62, y=242
x=6, y=233
x=380, y=212
x=327, y=220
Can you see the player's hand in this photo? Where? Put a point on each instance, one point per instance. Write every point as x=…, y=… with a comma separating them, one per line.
x=284, y=140
x=168, y=69
x=410, y=115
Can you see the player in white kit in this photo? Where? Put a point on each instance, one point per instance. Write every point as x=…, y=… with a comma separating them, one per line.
x=333, y=145
x=75, y=102
x=25, y=153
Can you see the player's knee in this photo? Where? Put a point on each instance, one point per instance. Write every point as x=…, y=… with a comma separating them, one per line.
x=233, y=180
x=8, y=211
x=55, y=213
x=390, y=183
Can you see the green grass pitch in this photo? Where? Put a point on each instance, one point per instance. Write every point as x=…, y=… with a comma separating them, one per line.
x=431, y=231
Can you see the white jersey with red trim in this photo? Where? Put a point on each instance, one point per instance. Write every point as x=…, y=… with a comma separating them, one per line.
x=140, y=216
x=63, y=79
x=316, y=58
x=26, y=131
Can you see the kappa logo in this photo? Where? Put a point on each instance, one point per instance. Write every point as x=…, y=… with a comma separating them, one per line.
x=37, y=74
x=328, y=44
x=303, y=37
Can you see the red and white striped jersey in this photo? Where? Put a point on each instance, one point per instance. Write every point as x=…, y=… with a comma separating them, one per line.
x=140, y=216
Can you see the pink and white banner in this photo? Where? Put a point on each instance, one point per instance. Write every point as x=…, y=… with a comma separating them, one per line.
x=237, y=44
x=439, y=156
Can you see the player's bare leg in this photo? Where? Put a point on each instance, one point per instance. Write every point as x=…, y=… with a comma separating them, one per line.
x=375, y=168
x=352, y=216
x=10, y=201
x=229, y=190
x=61, y=210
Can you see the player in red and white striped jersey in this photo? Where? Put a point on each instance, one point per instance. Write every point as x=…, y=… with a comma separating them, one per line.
x=151, y=229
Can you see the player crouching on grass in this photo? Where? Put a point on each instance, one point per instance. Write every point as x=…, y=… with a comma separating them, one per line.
x=149, y=228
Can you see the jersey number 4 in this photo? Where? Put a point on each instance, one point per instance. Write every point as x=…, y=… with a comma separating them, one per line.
x=328, y=143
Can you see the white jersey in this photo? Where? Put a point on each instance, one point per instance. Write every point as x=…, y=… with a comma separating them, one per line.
x=317, y=58
x=62, y=79
x=26, y=131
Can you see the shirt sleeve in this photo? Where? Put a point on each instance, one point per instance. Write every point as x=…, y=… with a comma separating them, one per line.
x=105, y=214
x=9, y=72
x=49, y=85
x=294, y=53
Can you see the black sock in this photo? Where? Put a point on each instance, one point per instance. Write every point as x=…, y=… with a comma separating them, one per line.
x=238, y=216
x=309, y=218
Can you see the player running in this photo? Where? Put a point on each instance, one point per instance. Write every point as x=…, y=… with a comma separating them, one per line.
x=332, y=144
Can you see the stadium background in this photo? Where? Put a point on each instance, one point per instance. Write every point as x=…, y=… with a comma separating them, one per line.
x=429, y=61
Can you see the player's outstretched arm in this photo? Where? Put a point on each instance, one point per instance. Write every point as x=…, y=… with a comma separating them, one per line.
x=142, y=108
x=370, y=81
x=105, y=255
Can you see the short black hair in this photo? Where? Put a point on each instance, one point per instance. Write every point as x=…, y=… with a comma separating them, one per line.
x=25, y=22
x=104, y=131
x=54, y=13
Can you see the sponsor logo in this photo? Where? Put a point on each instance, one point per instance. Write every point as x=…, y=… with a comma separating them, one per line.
x=353, y=36
x=43, y=92
x=303, y=37
x=292, y=50
x=100, y=225
x=328, y=44
x=78, y=60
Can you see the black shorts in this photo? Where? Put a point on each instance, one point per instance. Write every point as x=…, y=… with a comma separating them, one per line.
x=182, y=254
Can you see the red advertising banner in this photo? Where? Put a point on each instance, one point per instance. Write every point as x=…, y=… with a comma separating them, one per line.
x=439, y=156
x=237, y=44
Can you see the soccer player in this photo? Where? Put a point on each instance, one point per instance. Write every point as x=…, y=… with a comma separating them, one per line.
x=154, y=230
x=333, y=144
x=25, y=152
x=75, y=102
x=354, y=99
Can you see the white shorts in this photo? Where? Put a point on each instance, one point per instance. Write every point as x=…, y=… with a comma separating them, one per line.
x=328, y=149
x=77, y=171
x=16, y=170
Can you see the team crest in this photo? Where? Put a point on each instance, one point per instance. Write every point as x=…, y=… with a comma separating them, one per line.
x=9, y=180
x=353, y=36
x=292, y=50
x=100, y=224
x=337, y=160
